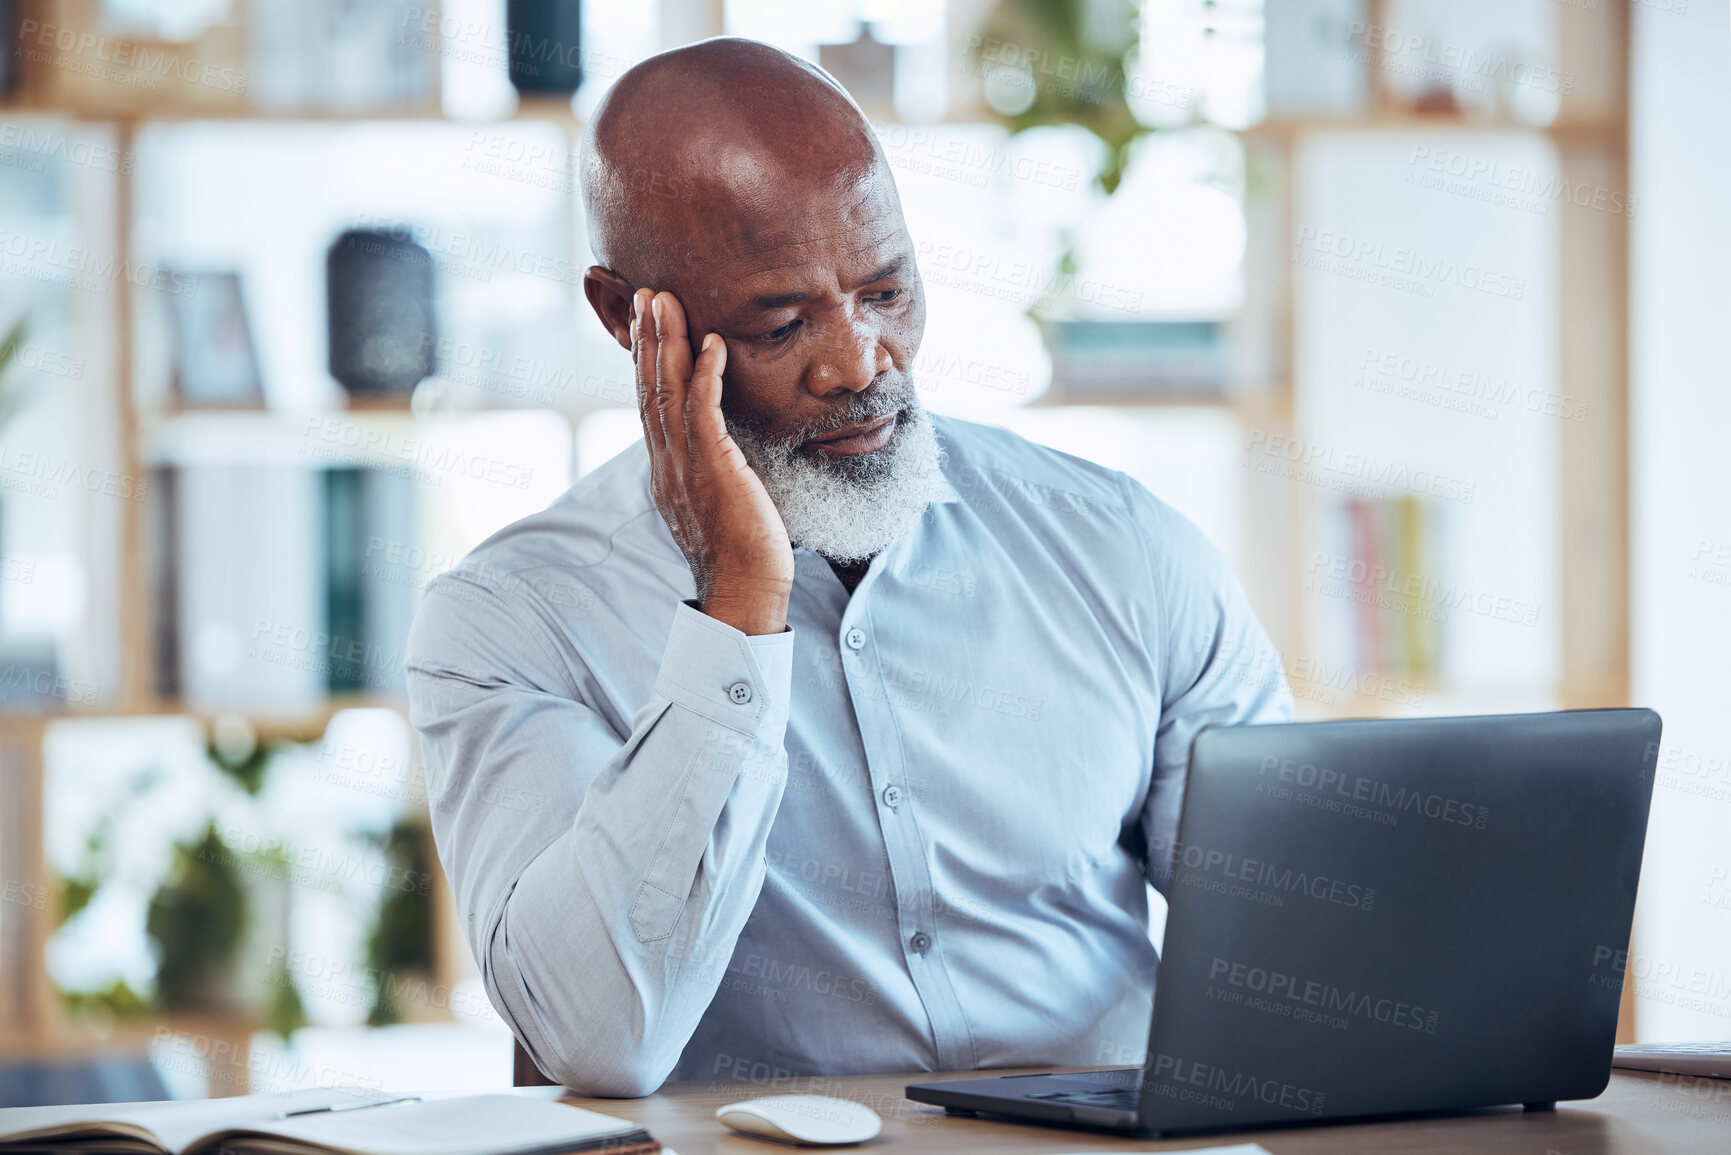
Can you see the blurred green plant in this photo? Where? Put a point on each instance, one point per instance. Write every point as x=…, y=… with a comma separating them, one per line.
x=234, y=749
x=1094, y=43
x=12, y=395
x=284, y=1014
x=116, y=1001
x=196, y=921
x=79, y=887
x=76, y=890
x=280, y=1010
x=401, y=945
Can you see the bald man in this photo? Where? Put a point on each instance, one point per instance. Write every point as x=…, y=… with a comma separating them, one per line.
x=814, y=734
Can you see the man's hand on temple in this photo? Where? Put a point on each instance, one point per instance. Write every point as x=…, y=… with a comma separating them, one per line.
x=717, y=509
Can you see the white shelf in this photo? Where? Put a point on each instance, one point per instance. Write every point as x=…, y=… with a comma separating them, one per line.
x=330, y=439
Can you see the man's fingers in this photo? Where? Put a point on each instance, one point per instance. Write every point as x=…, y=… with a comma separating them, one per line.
x=643, y=350
x=703, y=399
x=672, y=368
x=675, y=340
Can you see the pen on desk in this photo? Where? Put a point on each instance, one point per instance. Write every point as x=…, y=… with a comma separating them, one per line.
x=349, y=1106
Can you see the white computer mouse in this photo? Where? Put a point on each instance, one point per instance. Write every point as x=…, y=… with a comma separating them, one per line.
x=813, y=1119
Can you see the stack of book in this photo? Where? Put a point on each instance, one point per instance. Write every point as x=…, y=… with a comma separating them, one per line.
x=322, y=1122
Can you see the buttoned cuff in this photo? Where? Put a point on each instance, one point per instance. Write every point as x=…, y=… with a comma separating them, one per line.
x=737, y=680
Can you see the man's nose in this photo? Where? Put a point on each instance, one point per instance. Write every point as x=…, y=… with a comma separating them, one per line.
x=850, y=360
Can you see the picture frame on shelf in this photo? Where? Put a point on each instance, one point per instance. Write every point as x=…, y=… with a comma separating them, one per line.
x=215, y=364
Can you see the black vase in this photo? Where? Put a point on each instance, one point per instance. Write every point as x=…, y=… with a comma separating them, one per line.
x=379, y=285
x=545, y=54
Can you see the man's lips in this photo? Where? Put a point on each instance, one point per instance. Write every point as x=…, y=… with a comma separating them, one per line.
x=859, y=437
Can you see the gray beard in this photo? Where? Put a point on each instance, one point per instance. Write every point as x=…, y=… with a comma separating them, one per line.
x=848, y=508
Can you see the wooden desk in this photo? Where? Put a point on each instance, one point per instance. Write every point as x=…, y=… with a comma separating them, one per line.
x=1638, y=1113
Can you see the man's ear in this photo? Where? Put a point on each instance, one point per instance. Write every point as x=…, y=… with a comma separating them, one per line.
x=610, y=296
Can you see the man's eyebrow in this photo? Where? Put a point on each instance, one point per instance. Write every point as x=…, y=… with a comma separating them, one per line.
x=886, y=272
x=782, y=300
x=779, y=300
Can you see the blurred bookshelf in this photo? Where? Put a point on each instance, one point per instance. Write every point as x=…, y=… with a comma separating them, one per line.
x=328, y=451
x=343, y=462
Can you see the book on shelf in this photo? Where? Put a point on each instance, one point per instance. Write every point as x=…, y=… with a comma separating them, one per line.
x=215, y=364
x=1396, y=620
x=271, y=587
x=1379, y=588
x=245, y=591
x=1315, y=62
x=1115, y=361
x=322, y=1122
x=369, y=516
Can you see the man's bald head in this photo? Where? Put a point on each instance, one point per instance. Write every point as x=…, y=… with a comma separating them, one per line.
x=694, y=147
x=743, y=185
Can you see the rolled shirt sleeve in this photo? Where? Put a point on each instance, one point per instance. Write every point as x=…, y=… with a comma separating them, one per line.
x=603, y=879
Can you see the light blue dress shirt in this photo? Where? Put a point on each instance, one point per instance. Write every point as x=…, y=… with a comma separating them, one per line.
x=911, y=833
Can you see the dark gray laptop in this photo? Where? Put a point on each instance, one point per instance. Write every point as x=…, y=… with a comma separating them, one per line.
x=1380, y=917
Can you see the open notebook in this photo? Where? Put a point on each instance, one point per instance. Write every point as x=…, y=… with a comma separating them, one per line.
x=321, y=1123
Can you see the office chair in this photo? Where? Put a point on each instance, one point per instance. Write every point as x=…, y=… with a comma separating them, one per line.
x=524, y=1072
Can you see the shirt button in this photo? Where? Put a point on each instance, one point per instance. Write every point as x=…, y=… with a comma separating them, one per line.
x=892, y=795
x=740, y=692
x=855, y=638
x=920, y=943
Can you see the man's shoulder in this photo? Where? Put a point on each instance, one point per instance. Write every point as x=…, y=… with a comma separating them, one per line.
x=594, y=571
x=608, y=512
x=990, y=462
x=996, y=469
